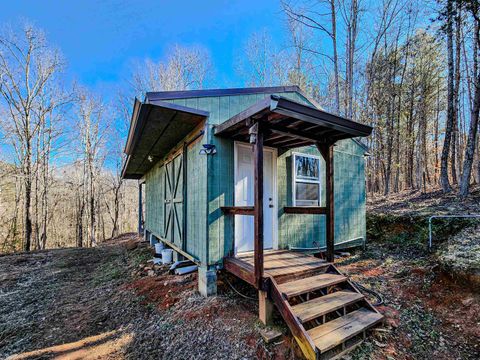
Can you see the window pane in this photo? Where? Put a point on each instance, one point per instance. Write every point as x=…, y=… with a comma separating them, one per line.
x=306, y=167
x=306, y=194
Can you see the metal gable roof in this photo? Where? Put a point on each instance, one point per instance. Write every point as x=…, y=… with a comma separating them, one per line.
x=186, y=94
x=290, y=124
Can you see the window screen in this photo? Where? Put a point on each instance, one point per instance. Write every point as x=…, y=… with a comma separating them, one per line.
x=306, y=179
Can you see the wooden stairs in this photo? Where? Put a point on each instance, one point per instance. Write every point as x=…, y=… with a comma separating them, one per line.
x=326, y=313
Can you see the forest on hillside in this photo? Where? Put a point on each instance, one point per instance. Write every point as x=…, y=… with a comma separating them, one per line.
x=409, y=68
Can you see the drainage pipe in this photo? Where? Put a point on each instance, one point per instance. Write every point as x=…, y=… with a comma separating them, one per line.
x=442, y=217
x=186, y=270
x=181, y=263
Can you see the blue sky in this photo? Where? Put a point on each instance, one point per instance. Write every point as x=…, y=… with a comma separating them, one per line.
x=101, y=40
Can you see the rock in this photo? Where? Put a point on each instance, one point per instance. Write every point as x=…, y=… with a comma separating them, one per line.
x=467, y=302
x=270, y=335
x=379, y=344
x=150, y=273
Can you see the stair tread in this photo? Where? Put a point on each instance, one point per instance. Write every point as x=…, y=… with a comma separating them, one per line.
x=302, y=286
x=322, y=305
x=335, y=332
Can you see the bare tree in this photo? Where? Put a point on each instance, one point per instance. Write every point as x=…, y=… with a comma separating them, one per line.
x=261, y=63
x=113, y=194
x=350, y=10
x=27, y=67
x=300, y=55
x=450, y=90
x=93, y=127
x=335, y=55
x=184, y=69
x=312, y=19
x=455, y=168
x=474, y=9
x=50, y=111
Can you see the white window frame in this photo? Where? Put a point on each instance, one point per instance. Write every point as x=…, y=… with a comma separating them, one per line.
x=302, y=180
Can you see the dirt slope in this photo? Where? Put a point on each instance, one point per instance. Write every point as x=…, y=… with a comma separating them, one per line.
x=429, y=314
x=110, y=303
x=99, y=304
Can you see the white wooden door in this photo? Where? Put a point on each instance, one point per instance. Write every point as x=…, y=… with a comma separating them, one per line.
x=244, y=179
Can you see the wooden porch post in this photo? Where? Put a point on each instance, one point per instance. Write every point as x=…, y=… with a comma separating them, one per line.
x=265, y=306
x=327, y=153
x=256, y=130
x=140, y=208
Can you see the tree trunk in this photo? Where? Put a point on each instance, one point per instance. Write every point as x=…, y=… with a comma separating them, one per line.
x=456, y=99
x=92, y=218
x=472, y=134
x=28, y=219
x=449, y=122
x=410, y=143
x=79, y=220
x=472, y=137
x=435, y=136
x=116, y=209
x=335, y=56
x=28, y=191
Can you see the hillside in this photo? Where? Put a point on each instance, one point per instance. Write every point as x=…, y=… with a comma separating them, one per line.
x=111, y=303
x=416, y=203
x=107, y=303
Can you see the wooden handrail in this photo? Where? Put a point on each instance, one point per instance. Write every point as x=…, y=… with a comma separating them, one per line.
x=238, y=210
x=305, y=210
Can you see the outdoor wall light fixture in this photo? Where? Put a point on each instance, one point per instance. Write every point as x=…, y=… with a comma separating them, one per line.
x=208, y=149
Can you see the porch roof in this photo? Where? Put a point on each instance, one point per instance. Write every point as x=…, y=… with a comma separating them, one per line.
x=289, y=124
x=156, y=127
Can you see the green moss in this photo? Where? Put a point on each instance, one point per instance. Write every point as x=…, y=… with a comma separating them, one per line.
x=109, y=271
x=411, y=231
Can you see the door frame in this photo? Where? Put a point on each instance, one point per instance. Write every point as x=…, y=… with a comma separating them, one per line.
x=274, y=153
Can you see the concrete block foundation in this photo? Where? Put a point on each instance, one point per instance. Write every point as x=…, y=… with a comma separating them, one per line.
x=207, y=281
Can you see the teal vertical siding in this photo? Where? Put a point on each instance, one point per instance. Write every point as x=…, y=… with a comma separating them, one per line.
x=196, y=238
x=221, y=171
x=154, y=200
x=304, y=230
x=298, y=229
x=210, y=186
x=196, y=202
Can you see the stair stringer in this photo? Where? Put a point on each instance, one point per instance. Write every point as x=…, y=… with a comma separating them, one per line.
x=297, y=329
x=304, y=340
x=333, y=268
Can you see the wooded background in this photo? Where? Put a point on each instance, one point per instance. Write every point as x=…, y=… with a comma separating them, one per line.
x=409, y=68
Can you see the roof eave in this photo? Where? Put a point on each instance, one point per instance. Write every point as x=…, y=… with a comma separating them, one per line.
x=140, y=115
x=133, y=123
x=185, y=94
x=299, y=111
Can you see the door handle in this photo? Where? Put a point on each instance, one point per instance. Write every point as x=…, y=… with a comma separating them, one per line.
x=270, y=205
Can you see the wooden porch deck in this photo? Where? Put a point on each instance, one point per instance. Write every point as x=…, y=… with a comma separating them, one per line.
x=279, y=264
x=326, y=313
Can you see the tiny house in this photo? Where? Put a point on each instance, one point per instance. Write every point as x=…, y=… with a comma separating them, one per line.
x=252, y=180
